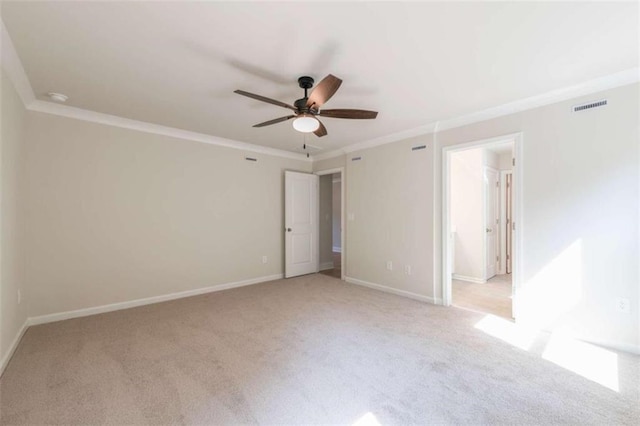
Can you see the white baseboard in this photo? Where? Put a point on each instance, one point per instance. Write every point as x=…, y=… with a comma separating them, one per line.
x=468, y=279
x=13, y=347
x=326, y=265
x=43, y=319
x=395, y=291
x=337, y=249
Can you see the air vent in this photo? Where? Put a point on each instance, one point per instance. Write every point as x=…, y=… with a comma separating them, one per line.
x=250, y=159
x=590, y=105
x=418, y=148
x=356, y=159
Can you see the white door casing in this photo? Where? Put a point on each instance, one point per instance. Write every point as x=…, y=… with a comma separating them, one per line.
x=301, y=223
x=491, y=219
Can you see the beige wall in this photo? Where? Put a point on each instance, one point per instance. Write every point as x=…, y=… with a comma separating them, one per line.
x=326, y=219
x=116, y=215
x=467, y=212
x=12, y=314
x=328, y=164
x=581, y=208
x=390, y=195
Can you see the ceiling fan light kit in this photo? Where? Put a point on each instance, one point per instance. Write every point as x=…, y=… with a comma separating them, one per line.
x=306, y=124
x=307, y=109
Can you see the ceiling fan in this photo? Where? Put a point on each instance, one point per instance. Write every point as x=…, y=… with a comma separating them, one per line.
x=307, y=109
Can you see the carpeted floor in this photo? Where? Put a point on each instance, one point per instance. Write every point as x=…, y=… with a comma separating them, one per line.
x=305, y=350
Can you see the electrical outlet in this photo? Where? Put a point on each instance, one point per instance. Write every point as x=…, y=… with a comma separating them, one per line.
x=19, y=296
x=389, y=265
x=264, y=259
x=407, y=269
x=623, y=305
x=351, y=217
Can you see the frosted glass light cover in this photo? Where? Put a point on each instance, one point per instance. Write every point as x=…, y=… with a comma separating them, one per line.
x=306, y=124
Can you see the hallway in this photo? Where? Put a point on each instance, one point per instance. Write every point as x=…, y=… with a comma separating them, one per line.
x=492, y=297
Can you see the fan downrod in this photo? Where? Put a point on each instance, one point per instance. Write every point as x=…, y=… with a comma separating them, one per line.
x=305, y=82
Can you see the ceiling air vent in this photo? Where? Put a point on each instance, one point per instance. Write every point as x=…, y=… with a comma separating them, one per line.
x=590, y=105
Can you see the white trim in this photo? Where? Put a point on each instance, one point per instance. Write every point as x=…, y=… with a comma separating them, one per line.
x=485, y=271
x=329, y=154
x=326, y=265
x=43, y=319
x=13, y=67
x=606, y=82
x=391, y=290
x=503, y=221
x=600, y=84
x=406, y=134
x=518, y=140
x=336, y=249
x=125, y=123
x=474, y=280
x=340, y=170
x=14, y=345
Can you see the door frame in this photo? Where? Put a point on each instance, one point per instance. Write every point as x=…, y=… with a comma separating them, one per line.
x=484, y=222
x=517, y=170
x=503, y=220
x=343, y=242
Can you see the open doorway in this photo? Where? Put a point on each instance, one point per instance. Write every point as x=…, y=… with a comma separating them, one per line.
x=479, y=226
x=331, y=251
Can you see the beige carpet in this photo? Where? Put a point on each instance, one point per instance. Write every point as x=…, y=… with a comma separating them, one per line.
x=306, y=350
x=493, y=297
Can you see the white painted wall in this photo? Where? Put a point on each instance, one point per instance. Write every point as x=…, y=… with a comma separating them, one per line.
x=467, y=204
x=326, y=221
x=491, y=159
x=504, y=161
x=337, y=212
x=116, y=215
x=12, y=314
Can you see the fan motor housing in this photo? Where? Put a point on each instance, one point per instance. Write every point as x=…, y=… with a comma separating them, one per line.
x=305, y=82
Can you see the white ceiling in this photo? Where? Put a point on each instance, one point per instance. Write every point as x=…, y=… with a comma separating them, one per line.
x=177, y=63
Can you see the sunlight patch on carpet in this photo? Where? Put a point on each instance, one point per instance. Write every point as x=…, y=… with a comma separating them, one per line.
x=507, y=331
x=367, y=420
x=589, y=361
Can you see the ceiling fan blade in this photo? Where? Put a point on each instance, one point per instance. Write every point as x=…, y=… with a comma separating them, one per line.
x=348, y=113
x=323, y=91
x=264, y=99
x=274, y=121
x=322, y=131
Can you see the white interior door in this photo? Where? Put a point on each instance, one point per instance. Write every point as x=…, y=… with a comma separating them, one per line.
x=301, y=223
x=491, y=188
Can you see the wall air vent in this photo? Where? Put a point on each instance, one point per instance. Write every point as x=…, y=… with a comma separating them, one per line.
x=417, y=148
x=356, y=159
x=590, y=105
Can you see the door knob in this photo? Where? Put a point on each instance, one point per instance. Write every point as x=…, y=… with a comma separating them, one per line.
x=288, y=229
x=489, y=230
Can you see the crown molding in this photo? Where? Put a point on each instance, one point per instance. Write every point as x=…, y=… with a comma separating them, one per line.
x=589, y=87
x=18, y=76
x=600, y=84
x=16, y=73
x=13, y=67
x=126, y=123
